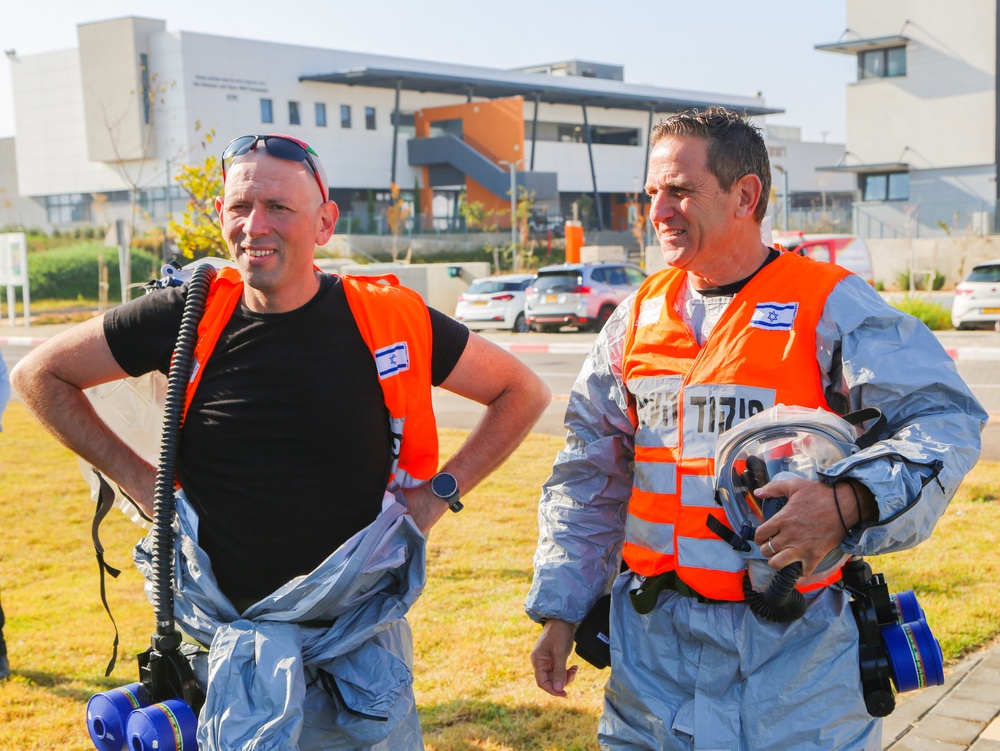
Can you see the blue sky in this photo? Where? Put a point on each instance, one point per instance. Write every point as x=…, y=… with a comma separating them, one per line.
x=723, y=46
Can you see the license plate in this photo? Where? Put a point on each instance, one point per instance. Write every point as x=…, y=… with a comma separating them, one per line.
x=551, y=299
x=991, y=311
x=480, y=302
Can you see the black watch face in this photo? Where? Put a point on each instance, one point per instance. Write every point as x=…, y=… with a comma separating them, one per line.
x=444, y=485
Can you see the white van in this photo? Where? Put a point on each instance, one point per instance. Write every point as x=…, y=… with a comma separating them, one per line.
x=849, y=251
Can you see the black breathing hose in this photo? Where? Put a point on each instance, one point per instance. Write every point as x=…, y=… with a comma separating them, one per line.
x=781, y=602
x=167, y=638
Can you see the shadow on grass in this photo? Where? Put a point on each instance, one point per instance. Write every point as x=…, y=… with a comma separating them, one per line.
x=63, y=686
x=456, y=724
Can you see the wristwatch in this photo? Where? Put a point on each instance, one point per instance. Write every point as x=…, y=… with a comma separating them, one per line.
x=445, y=486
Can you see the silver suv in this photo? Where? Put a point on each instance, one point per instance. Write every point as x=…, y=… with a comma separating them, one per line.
x=579, y=294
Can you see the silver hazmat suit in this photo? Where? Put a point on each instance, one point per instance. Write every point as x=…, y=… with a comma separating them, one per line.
x=342, y=624
x=714, y=676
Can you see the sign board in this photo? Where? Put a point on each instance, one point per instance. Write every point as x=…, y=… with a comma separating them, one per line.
x=14, y=271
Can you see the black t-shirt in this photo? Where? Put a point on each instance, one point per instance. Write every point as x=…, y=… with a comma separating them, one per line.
x=284, y=452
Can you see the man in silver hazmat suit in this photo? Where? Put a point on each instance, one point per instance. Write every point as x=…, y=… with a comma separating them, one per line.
x=732, y=328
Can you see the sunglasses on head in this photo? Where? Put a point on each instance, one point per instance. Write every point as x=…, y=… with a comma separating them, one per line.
x=282, y=147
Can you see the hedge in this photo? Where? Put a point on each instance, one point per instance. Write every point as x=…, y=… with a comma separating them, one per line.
x=72, y=273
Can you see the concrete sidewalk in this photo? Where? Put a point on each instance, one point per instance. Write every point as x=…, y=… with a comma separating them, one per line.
x=964, y=713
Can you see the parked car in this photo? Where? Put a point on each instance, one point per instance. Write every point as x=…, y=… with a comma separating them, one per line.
x=581, y=295
x=849, y=251
x=977, y=299
x=495, y=302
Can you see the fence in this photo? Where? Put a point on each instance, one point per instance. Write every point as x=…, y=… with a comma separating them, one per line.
x=902, y=220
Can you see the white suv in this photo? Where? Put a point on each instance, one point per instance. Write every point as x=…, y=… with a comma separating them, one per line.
x=579, y=294
x=494, y=302
x=977, y=299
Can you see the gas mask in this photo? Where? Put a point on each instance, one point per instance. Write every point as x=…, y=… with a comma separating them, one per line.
x=776, y=444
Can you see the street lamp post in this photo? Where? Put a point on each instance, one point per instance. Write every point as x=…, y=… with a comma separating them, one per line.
x=513, y=198
x=784, y=203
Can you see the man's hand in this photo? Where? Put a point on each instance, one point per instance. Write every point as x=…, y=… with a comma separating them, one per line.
x=141, y=487
x=808, y=527
x=550, y=655
x=425, y=507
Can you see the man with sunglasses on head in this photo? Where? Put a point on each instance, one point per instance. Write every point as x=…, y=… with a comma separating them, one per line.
x=308, y=427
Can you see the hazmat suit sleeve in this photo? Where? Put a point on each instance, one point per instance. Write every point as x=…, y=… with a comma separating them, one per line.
x=872, y=355
x=581, y=515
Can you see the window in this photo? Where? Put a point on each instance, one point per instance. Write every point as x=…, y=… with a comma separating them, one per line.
x=146, y=102
x=616, y=276
x=884, y=63
x=293, y=114
x=600, y=276
x=818, y=252
x=266, y=111
x=635, y=277
x=320, y=115
x=575, y=133
x=370, y=118
x=68, y=207
x=345, y=116
x=885, y=186
x=404, y=123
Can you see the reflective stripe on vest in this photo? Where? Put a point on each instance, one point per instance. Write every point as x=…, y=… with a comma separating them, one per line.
x=762, y=352
x=395, y=325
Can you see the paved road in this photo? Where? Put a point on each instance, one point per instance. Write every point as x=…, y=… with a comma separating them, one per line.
x=557, y=359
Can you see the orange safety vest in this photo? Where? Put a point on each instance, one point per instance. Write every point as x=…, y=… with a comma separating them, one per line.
x=762, y=352
x=396, y=326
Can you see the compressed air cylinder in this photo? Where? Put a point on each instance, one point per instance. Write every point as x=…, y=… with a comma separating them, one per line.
x=107, y=715
x=167, y=726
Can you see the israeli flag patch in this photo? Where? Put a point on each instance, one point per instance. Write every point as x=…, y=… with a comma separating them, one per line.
x=392, y=360
x=774, y=316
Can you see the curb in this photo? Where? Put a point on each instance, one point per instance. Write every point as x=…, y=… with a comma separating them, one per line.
x=981, y=354
x=22, y=341
x=581, y=348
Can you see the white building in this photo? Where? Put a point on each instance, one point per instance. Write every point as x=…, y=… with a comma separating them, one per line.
x=921, y=117
x=120, y=114
x=819, y=201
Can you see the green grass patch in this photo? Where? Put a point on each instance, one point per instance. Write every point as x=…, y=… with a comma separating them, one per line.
x=474, y=683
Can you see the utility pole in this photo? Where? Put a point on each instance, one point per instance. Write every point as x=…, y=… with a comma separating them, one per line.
x=513, y=198
x=784, y=203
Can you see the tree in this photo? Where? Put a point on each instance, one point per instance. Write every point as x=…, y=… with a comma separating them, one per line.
x=417, y=213
x=637, y=209
x=370, y=207
x=197, y=233
x=521, y=256
x=129, y=168
x=396, y=215
x=476, y=215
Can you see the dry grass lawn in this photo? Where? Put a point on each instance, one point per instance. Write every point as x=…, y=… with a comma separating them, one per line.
x=474, y=683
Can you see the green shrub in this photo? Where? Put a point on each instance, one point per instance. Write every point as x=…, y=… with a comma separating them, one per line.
x=71, y=273
x=919, y=281
x=932, y=314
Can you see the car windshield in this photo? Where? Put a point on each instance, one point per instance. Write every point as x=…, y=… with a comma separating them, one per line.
x=558, y=281
x=989, y=273
x=489, y=286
